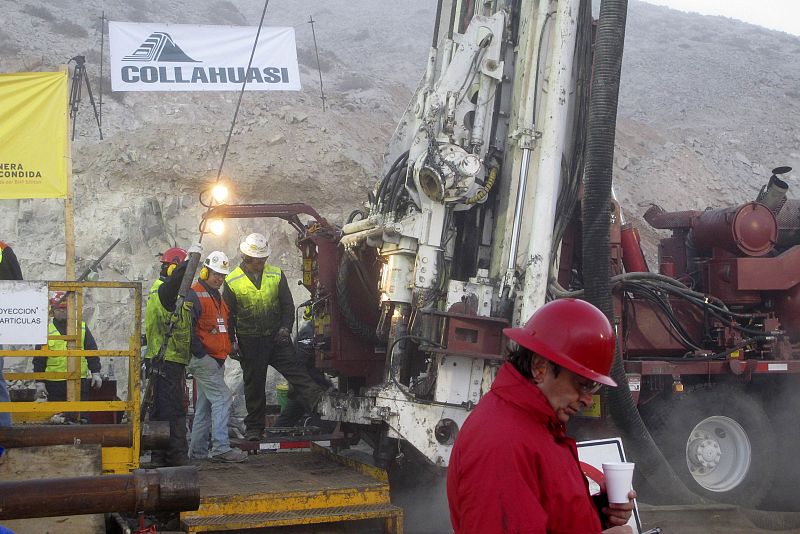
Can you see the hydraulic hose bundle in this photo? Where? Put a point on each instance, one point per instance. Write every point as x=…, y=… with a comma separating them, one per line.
x=391, y=187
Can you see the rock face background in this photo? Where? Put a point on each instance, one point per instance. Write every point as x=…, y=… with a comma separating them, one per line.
x=142, y=182
x=707, y=107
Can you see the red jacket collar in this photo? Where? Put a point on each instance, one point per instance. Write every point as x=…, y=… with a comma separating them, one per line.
x=515, y=389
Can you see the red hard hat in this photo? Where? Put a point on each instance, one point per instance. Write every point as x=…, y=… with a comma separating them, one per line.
x=573, y=334
x=58, y=300
x=173, y=255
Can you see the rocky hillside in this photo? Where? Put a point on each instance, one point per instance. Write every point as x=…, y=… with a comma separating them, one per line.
x=708, y=105
x=142, y=182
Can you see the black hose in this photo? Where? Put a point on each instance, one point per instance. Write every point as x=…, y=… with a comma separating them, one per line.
x=723, y=314
x=651, y=295
x=572, y=164
x=354, y=214
x=399, y=188
x=596, y=252
x=392, y=182
x=356, y=325
x=383, y=185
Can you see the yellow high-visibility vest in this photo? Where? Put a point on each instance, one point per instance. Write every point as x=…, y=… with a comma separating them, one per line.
x=156, y=322
x=59, y=364
x=258, y=310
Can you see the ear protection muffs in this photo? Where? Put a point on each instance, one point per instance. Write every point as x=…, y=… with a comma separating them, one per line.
x=171, y=268
x=204, y=273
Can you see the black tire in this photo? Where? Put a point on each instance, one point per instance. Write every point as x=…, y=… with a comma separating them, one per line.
x=673, y=419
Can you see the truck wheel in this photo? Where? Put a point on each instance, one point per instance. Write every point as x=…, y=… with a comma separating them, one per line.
x=720, y=441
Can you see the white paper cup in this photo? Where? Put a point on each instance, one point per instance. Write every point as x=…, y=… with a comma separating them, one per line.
x=619, y=481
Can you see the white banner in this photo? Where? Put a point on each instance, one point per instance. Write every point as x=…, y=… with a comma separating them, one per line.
x=23, y=313
x=183, y=57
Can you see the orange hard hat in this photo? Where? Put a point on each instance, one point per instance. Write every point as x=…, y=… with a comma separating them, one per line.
x=573, y=334
x=58, y=300
x=173, y=255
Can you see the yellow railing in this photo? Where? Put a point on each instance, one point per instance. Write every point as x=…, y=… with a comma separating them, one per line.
x=115, y=459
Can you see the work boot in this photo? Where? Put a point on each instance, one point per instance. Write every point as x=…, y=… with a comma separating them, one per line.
x=253, y=434
x=233, y=456
x=157, y=459
x=177, y=460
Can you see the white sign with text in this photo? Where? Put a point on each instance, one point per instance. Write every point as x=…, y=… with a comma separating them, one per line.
x=183, y=57
x=23, y=312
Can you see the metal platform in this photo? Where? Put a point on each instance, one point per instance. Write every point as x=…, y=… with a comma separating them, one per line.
x=291, y=488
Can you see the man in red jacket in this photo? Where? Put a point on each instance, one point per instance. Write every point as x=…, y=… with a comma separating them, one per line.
x=513, y=469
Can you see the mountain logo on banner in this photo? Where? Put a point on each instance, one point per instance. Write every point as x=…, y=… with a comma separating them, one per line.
x=160, y=47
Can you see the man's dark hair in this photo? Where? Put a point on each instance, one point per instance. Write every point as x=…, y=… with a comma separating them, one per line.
x=522, y=360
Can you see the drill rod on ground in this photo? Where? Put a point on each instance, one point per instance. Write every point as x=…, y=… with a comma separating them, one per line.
x=155, y=435
x=169, y=489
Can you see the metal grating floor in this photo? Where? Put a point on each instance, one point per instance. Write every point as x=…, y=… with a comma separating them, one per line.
x=279, y=472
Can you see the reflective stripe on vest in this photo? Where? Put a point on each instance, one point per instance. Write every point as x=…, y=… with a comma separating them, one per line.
x=212, y=326
x=2, y=247
x=258, y=310
x=156, y=322
x=59, y=364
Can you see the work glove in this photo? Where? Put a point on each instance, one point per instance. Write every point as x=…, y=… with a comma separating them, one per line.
x=58, y=419
x=97, y=381
x=235, y=354
x=41, y=392
x=283, y=338
x=196, y=248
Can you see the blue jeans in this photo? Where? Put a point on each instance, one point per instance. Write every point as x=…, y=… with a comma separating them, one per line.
x=5, y=417
x=212, y=409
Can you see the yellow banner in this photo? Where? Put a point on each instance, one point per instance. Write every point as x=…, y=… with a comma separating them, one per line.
x=33, y=135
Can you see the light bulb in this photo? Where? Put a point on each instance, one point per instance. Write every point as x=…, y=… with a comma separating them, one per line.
x=217, y=226
x=220, y=193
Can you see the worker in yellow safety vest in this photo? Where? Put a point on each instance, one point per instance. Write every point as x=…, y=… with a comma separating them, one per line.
x=169, y=391
x=56, y=389
x=261, y=315
x=170, y=259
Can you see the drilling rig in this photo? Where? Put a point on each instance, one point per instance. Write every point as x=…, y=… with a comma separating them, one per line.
x=477, y=221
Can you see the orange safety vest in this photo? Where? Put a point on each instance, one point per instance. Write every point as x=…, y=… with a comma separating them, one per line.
x=212, y=327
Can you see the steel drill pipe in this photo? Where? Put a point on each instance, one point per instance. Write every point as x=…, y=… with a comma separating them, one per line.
x=169, y=489
x=155, y=435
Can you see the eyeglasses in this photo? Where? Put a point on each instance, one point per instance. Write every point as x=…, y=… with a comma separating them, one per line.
x=588, y=387
x=584, y=385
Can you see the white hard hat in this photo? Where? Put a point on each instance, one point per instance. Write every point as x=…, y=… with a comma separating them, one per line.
x=255, y=246
x=218, y=262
